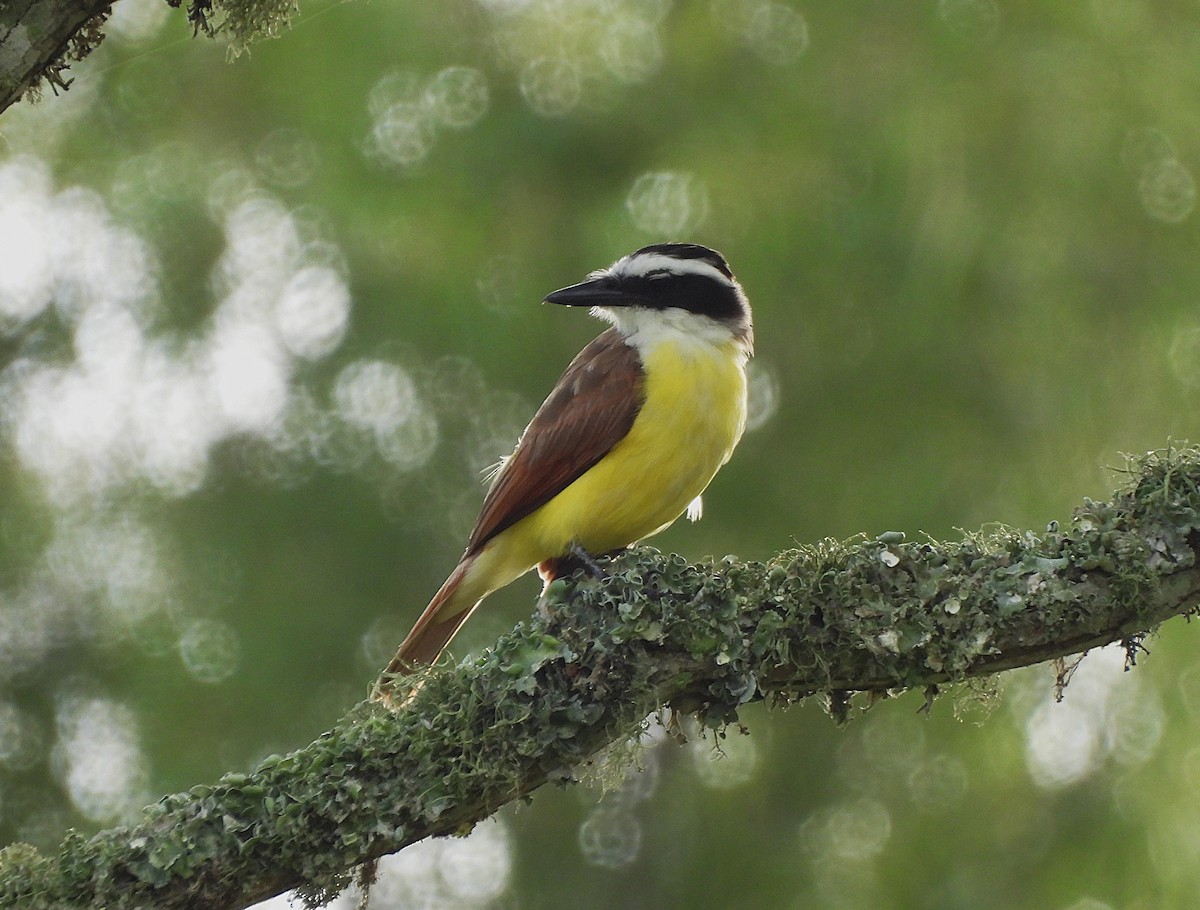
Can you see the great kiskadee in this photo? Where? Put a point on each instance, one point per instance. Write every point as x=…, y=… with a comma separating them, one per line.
x=628, y=439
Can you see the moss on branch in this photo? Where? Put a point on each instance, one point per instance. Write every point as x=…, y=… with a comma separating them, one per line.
x=41, y=39
x=834, y=618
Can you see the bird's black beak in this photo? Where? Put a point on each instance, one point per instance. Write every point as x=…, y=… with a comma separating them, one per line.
x=602, y=291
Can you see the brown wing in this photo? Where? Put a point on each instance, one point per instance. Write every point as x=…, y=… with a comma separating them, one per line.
x=591, y=408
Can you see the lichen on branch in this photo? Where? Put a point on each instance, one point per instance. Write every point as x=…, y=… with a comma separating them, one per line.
x=41, y=39
x=243, y=22
x=875, y=614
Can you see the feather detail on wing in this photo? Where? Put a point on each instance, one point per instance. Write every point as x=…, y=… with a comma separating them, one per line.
x=492, y=471
x=590, y=410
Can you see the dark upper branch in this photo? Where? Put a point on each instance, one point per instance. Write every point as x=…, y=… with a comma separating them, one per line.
x=38, y=38
x=867, y=615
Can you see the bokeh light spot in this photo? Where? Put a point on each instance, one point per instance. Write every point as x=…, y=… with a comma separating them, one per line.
x=1135, y=721
x=1167, y=190
x=232, y=185
x=667, y=203
x=631, y=50
x=891, y=744
x=855, y=830
x=286, y=158
x=475, y=870
x=493, y=431
x=26, y=276
x=403, y=134
x=860, y=829
x=133, y=405
x=262, y=245
x=210, y=650
x=1145, y=146
x=118, y=564
x=639, y=781
x=778, y=33
x=762, y=393
x=730, y=763
x=1088, y=903
x=611, y=836
x=381, y=399
x=381, y=639
x=457, y=96
x=568, y=54
x=312, y=312
x=391, y=89
x=99, y=760
x=462, y=873
x=497, y=283
x=1060, y=745
x=136, y=21
x=407, y=111
x=374, y=395
x=410, y=444
x=552, y=87
x=248, y=375
x=938, y=783
x=1189, y=688
x=1065, y=742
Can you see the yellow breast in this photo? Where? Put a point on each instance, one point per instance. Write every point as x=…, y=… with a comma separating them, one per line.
x=693, y=416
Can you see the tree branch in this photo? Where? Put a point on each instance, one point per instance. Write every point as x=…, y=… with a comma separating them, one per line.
x=870, y=615
x=41, y=38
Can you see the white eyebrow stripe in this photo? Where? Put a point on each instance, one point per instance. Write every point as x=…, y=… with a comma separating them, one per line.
x=641, y=265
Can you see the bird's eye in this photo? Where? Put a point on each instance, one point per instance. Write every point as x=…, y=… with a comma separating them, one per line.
x=658, y=273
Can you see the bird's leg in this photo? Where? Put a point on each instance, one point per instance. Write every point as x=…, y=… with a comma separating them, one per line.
x=589, y=562
x=575, y=558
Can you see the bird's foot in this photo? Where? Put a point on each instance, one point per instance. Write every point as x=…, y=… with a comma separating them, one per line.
x=589, y=562
x=575, y=558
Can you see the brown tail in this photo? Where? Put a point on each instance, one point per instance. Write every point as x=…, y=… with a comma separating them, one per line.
x=435, y=627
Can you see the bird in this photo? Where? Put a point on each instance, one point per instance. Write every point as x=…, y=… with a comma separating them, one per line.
x=625, y=443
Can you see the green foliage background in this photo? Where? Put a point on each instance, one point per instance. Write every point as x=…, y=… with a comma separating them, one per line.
x=967, y=230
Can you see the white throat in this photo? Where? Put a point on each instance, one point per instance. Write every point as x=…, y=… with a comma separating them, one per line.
x=645, y=329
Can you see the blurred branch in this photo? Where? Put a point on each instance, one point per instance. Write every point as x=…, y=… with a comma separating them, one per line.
x=39, y=39
x=872, y=615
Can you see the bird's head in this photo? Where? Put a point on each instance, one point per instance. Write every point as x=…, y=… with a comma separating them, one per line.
x=665, y=280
